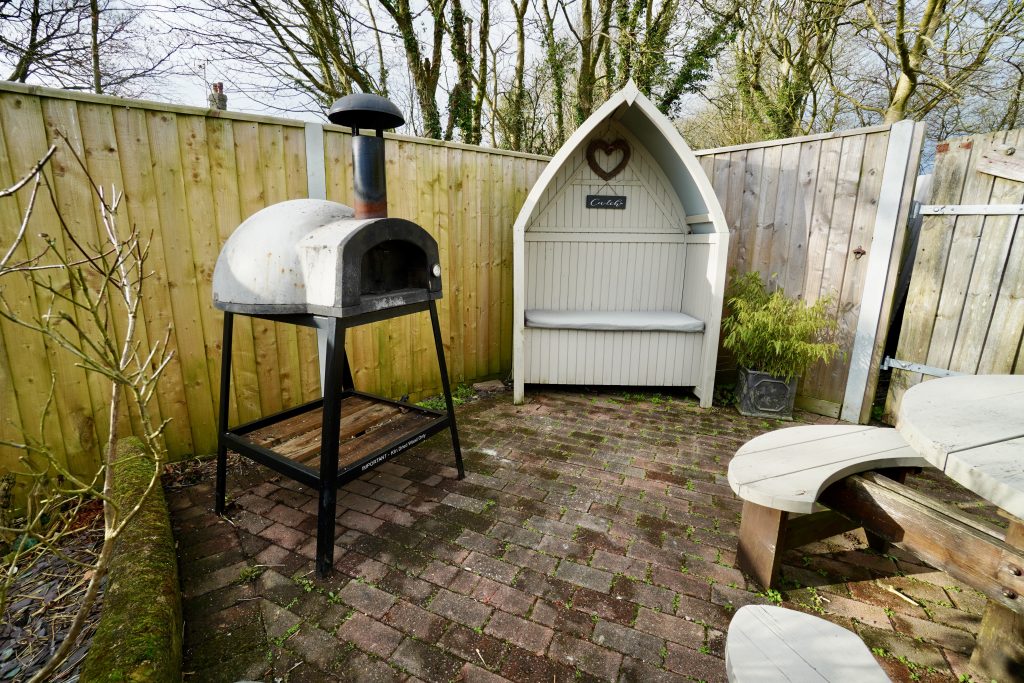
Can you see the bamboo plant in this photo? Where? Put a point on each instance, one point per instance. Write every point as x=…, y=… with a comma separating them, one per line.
x=772, y=333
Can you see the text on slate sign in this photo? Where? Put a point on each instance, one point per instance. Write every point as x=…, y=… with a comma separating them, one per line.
x=601, y=201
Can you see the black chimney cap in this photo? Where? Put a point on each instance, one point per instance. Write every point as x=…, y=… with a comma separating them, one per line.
x=363, y=110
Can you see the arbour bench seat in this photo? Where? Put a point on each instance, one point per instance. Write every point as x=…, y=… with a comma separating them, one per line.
x=608, y=321
x=780, y=476
x=614, y=348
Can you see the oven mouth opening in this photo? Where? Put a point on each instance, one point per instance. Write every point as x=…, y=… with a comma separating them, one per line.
x=392, y=266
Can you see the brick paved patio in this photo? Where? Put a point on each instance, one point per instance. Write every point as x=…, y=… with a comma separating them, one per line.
x=593, y=538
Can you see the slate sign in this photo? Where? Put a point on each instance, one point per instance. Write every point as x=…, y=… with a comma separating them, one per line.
x=604, y=201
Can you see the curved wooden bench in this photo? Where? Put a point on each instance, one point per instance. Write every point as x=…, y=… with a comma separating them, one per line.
x=785, y=472
x=774, y=644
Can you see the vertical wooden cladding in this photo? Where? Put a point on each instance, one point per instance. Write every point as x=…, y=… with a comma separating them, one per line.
x=466, y=198
x=179, y=175
x=188, y=180
x=965, y=305
x=799, y=210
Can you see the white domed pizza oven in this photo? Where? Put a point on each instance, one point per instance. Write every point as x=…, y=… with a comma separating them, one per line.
x=322, y=264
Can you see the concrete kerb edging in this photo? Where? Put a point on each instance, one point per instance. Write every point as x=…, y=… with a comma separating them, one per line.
x=140, y=630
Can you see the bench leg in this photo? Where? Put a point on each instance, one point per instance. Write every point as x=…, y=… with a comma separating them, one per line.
x=899, y=475
x=999, y=652
x=761, y=542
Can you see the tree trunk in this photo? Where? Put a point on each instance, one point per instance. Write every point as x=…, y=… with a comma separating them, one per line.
x=904, y=90
x=557, y=74
x=585, y=81
x=460, y=101
x=94, y=35
x=425, y=71
x=518, y=100
x=481, y=85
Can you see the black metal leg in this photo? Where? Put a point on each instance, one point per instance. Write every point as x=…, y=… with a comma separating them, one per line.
x=347, y=383
x=329, y=436
x=447, y=389
x=222, y=424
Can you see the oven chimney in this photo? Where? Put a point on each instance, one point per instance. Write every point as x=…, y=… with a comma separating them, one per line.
x=365, y=112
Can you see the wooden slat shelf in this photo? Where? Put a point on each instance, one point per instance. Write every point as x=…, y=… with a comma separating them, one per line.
x=367, y=425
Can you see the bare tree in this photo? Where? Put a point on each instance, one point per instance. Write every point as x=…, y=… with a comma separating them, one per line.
x=781, y=62
x=517, y=95
x=315, y=47
x=84, y=288
x=466, y=100
x=592, y=39
x=932, y=50
x=96, y=45
x=555, y=57
x=423, y=58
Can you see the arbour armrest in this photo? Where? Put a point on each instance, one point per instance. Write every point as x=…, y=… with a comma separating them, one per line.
x=655, y=321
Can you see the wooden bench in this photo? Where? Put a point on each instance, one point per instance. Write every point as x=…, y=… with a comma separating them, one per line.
x=780, y=476
x=775, y=644
x=802, y=484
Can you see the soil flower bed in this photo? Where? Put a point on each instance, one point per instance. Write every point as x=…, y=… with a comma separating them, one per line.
x=44, y=600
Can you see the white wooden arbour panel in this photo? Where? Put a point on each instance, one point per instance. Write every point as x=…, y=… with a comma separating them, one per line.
x=653, y=205
x=664, y=253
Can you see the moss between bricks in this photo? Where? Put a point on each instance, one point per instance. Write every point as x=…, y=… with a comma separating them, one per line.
x=139, y=635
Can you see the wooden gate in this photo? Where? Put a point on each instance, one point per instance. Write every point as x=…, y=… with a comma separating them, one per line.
x=965, y=306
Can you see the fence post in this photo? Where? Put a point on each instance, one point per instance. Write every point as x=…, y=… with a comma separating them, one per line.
x=316, y=170
x=316, y=184
x=890, y=204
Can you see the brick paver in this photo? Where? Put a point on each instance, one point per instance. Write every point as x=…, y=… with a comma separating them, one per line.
x=594, y=538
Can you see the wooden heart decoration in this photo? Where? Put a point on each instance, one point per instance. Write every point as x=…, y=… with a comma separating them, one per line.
x=609, y=148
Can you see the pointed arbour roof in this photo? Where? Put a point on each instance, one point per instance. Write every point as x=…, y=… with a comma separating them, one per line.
x=631, y=109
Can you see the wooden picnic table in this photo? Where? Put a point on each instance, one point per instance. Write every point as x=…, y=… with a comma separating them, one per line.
x=972, y=428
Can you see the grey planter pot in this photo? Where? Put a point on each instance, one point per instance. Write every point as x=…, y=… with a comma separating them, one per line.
x=762, y=395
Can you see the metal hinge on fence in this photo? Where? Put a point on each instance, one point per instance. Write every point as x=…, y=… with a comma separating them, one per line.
x=972, y=210
x=891, y=362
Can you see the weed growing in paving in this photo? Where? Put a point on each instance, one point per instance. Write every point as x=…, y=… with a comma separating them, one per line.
x=305, y=584
x=249, y=574
x=461, y=394
x=280, y=640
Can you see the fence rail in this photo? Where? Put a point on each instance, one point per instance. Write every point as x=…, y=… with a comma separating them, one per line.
x=802, y=209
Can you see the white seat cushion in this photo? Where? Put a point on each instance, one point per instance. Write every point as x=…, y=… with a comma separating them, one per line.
x=662, y=321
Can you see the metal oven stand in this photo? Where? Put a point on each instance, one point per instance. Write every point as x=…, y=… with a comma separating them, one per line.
x=346, y=433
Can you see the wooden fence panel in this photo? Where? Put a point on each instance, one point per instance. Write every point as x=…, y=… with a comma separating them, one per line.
x=802, y=212
x=189, y=177
x=965, y=304
x=797, y=208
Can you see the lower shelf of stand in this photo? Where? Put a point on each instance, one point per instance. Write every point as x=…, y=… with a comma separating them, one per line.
x=367, y=425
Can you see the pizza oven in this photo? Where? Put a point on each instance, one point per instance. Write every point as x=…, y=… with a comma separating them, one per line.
x=324, y=258
x=325, y=265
